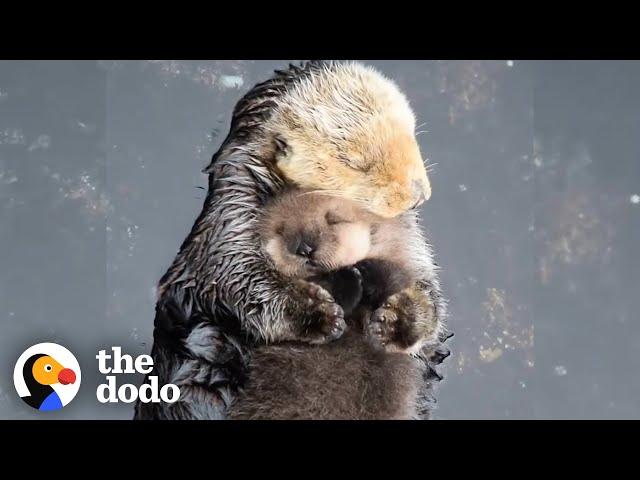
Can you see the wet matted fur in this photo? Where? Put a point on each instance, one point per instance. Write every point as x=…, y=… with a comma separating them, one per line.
x=220, y=295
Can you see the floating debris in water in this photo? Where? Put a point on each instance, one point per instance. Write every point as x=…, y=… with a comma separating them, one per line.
x=489, y=355
x=462, y=187
x=84, y=127
x=509, y=63
x=43, y=142
x=560, y=370
x=231, y=81
x=12, y=136
x=135, y=334
x=635, y=199
x=9, y=180
x=504, y=331
x=86, y=191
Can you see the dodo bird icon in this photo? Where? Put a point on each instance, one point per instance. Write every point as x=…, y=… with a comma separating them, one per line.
x=40, y=372
x=47, y=378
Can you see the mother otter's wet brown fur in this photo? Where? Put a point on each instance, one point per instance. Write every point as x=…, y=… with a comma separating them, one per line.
x=337, y=127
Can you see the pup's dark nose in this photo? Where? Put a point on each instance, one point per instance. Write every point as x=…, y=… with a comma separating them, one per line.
x=302, y=245
x=304, y=249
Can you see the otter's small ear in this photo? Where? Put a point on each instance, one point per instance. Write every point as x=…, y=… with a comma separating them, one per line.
x=282, y=148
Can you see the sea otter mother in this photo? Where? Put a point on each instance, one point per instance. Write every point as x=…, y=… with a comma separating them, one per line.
x=337, y=127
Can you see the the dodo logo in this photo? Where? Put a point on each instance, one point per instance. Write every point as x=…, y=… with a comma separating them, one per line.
x=47, y=376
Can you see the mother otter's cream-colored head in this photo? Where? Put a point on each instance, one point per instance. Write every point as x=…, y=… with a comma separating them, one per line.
x=349, y=131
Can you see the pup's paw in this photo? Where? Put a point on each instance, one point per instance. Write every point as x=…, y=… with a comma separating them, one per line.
x=403, y=323
x=381, y=328
x=323, y=319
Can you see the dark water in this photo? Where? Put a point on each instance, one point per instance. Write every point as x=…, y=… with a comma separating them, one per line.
x=535, y=218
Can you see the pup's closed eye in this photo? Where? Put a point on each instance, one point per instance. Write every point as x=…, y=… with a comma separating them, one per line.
x=332, y=218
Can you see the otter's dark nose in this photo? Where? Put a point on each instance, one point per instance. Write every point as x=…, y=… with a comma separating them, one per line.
x=304, y=249
x=301, y=245
x=418, y=194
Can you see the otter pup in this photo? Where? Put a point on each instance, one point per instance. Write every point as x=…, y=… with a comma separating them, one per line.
x=339, y=127
x=357, y=258
x=308, y=234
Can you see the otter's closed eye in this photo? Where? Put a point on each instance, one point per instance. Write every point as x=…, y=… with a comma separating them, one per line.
x=333, y=219
x=356, y=163
x=280, y=229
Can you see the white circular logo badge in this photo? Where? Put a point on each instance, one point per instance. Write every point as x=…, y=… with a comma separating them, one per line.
x=47, y=376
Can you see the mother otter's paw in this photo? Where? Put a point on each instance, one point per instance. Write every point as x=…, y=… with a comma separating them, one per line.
x=404, y=322
x=322, y=319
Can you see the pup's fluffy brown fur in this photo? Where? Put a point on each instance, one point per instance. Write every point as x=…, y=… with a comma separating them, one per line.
x=336, y=233
x=344, y=380
x=355, y=257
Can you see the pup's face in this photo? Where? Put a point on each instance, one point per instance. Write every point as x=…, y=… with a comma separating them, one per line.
x=308, y=233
